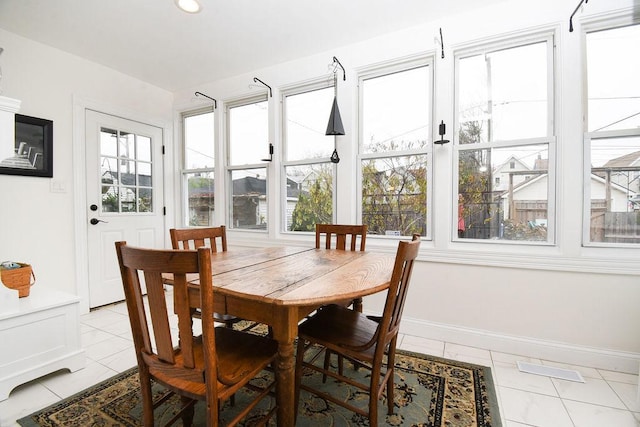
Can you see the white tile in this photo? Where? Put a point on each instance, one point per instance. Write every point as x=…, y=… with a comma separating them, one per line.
x=592, y=390
x=533, y=409
x=513, y=359
x=584, y=371
x=102, y=318
x=107, y=348
x=508, y=375
x=467, y=354
x=588, y=415
x=422, y=345
x=91, y=335
x=619, y=377
x=628, y=393
x=121, y=361
x=25, y=400
x=515, y=424
x=65, y=384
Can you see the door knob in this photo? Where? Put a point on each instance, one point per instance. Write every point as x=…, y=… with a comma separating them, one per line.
x=94, y=221
x=93, y=207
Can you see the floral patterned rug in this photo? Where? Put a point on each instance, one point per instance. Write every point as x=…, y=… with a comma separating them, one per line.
x=429, y=391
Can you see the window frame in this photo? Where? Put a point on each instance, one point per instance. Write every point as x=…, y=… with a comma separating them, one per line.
x=379, y=70
x=184, y=171
x=292, y=90
x=496, y=44
x=229, y=168
x=592, y=25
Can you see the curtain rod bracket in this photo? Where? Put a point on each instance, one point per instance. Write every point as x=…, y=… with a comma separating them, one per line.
x=255, y=80
x=215, y=103
x=344, y=74
x=574, y=12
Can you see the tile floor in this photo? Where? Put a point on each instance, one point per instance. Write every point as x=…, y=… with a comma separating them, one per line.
x=606, y=399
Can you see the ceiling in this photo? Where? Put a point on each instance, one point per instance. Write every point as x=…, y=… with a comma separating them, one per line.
x=156, y=42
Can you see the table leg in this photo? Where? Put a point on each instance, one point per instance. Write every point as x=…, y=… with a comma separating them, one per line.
x=285, y=331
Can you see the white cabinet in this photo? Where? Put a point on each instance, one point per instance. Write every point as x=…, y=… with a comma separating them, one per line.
x=39, y=336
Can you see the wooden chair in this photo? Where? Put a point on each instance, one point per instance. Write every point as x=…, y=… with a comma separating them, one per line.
x=363, y=340
x=193, y=238
x=343, y=234
x=210, y=367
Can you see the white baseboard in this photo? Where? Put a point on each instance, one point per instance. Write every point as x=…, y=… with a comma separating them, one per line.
x=612, y=360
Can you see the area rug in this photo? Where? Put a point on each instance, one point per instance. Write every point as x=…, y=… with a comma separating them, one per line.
x=429, y=391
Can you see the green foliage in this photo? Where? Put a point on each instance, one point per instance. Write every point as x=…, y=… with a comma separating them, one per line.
x=314, y=206
x=394, y=191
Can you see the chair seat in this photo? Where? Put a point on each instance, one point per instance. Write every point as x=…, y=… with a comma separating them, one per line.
x=239, y=355
x=340, y=328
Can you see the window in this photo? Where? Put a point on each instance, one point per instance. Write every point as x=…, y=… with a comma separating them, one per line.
x=248, y=145
x=308, y=187
x=198, y=168
x=504, y=100
x=395, y=149
x=612, y=141
x=127, y=185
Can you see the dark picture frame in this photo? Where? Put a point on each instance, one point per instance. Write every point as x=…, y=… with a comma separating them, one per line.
x=33, y=148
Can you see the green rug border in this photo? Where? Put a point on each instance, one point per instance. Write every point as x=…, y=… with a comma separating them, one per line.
x=27, y=421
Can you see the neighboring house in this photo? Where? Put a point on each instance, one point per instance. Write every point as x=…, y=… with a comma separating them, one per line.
x=501, y=174
x=624, y=170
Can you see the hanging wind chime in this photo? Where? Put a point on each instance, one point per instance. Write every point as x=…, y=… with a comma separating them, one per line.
x=335, y=127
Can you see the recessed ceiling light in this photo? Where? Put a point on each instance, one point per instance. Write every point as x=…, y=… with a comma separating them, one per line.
x=189, y=6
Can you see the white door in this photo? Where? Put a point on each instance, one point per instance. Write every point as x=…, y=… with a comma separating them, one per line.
x=124, y=197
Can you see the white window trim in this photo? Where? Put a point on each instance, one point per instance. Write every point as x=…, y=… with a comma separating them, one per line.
x=382, y=69
x=497, y=43
x=589, y=24
x=229, y=169
x=290, y=90
x=184, y=194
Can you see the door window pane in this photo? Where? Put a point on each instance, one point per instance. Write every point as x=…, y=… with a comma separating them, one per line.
x=127, y=185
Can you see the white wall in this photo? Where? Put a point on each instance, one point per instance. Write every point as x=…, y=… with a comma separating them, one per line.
x=37, y=225
x=561, y=301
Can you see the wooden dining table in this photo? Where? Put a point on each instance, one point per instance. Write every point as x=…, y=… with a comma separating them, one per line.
x=279, y=286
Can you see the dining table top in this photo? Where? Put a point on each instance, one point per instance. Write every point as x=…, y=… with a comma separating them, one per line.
x=297, y=276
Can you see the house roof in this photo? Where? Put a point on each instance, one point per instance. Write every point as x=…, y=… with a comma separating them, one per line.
x=631, y=159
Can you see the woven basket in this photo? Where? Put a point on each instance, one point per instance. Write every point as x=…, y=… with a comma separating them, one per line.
x=18, y=278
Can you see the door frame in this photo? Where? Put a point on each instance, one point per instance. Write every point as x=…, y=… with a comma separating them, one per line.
x=80, y=219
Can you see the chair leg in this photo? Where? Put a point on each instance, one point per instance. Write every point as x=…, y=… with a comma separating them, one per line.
x=147, y=399
x=187, y=415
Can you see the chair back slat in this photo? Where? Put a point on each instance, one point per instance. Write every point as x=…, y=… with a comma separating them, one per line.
x=345, y=236
x=398, y=287
x=214, y=238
